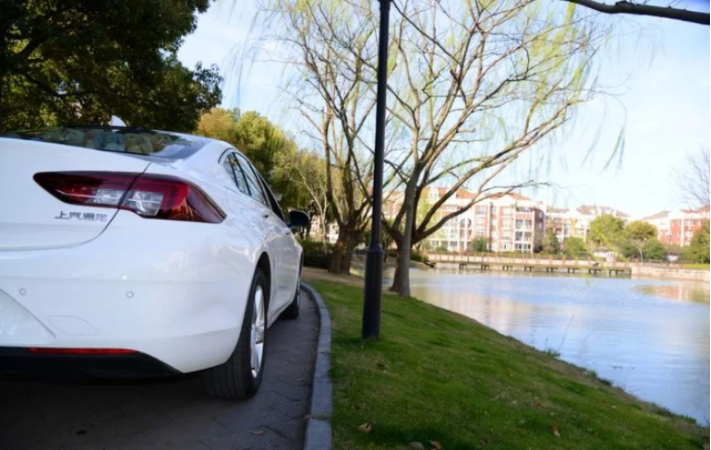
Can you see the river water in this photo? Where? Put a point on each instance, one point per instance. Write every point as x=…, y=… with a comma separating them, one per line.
x=649, y=337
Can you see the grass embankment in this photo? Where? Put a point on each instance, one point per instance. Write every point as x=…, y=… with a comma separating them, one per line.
x=696, y=266
x=438, y=376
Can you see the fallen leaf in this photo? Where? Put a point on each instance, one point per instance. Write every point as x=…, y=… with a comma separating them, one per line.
x=556, y=430
x=365, y=428
x=357, y=407
x=436, y=445
x=417, y=446
x=258, y=432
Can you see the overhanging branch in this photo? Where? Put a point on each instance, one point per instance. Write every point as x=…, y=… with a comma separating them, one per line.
x=624, y=7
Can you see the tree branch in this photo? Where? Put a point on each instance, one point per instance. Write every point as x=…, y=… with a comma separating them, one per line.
x=624, y=7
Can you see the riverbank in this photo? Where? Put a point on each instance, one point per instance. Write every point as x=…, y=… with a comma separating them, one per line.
x=438, y=376
x=549, y=264
x=673, y=273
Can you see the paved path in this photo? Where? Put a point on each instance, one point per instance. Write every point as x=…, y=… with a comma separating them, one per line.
x=176, y=414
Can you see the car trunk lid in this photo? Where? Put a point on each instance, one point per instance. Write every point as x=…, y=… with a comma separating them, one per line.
x=32, y=217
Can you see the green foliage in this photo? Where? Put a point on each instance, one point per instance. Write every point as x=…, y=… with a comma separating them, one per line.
x=607, y=231
x=654, y=250
x=417, y=256
x=478, y=245
x=439, y=376
x=640, y=230
x=550, y=243
x=219, y=123
x=316, y=254
x=575, y=247
x=698, y=249
x=79, y=62
x=638, y=234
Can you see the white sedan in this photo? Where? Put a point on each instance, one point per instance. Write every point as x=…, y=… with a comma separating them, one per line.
x=133, y=252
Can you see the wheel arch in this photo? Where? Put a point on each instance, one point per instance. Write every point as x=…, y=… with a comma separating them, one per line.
x=264, y=264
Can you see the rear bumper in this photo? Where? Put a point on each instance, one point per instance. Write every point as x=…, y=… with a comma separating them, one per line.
x=178, y=299
x=134, y=365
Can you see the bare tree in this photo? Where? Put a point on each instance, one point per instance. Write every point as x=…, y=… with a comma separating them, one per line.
x=473, y=86
x=693, y=179
x=333, y=98
x=476, y=85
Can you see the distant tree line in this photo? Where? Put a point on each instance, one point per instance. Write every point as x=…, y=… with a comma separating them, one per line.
x=635, y=240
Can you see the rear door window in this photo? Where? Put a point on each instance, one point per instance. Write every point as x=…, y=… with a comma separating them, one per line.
x=255, y=190
x=235, y=171
x=274, y=204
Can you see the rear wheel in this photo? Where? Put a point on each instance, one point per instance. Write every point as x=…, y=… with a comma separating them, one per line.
x=292, y=311
x=240, y=376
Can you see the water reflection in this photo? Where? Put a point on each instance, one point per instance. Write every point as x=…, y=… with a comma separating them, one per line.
x=695, y=292
x=648, y=337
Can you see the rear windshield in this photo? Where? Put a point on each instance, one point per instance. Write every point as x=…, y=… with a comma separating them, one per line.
x=137, y=141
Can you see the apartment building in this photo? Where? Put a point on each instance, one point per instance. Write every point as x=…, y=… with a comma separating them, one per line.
x=316, y=231
x=677, y=227
x=575, y=222
x=508, y=222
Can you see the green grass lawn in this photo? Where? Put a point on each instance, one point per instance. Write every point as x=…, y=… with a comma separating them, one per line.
x=438, y=376
x=696, y=266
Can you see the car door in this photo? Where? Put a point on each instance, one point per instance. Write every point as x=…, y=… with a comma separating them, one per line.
x=249, y=209
x=289, y=249
x=277, y=240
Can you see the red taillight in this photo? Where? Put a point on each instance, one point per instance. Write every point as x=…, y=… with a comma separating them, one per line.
x=80, y=351
x=149, y=195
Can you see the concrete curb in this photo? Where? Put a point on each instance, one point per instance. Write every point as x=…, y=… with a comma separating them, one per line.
x=318, y=425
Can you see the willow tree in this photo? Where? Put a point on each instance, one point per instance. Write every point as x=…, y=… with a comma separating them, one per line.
x=473, y=85
x=477, y=84
x=329, y=46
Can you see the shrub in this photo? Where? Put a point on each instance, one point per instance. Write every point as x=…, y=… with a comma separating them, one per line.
x=417, y=256
x=315, y=255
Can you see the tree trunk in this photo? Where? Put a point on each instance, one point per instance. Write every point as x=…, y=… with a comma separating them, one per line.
x=347, y=257
x=401, y=282
x=342, y=255
x=336, y=257
x=324, y=231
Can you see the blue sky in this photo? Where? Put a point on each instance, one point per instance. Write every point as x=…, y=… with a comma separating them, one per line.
x=660, y=70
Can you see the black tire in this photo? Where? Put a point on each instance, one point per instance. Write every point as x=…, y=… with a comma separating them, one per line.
x=292, y=311
x=234, y=379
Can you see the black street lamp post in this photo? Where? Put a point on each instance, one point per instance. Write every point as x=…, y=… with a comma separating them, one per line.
x=373, y=294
